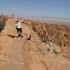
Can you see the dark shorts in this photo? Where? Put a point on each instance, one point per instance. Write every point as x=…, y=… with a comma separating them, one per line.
x=19, y=30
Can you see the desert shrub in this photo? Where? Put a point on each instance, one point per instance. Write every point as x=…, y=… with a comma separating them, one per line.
x=48, y=49
x=44, y=41
x=2, y=24
x=55, y=51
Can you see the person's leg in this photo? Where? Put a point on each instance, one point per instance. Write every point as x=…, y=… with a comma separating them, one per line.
x=17, y=32
x=21, y=32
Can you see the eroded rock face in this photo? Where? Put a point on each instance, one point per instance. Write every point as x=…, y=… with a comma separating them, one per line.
x=58, y=34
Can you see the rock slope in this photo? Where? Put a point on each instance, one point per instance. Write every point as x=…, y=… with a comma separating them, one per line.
x=58, y=34
x=28, y=53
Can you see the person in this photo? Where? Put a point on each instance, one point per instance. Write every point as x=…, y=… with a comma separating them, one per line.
x=19, y=29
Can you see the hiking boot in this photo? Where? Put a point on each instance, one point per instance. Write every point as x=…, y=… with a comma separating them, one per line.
x=21, y=36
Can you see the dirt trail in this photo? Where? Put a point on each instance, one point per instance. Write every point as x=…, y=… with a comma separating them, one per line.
x=15, y=54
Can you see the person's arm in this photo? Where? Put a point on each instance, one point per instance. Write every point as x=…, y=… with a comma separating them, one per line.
x=21, y=21
x=16, y=24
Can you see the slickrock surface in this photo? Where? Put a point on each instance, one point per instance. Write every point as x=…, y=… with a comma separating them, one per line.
x=29, y=52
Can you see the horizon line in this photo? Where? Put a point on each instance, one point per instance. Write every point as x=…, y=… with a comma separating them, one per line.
x=34, y=16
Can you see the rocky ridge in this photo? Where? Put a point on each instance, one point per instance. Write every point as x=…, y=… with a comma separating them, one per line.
x=30, y=52
x=58, y=34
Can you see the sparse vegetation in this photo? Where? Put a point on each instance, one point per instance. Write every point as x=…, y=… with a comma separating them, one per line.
x=47, y=42
x=54, y=51
x=48, y=49
x=2, y=24
x=44, y=41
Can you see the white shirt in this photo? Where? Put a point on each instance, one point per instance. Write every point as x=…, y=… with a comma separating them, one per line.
x=18, y=25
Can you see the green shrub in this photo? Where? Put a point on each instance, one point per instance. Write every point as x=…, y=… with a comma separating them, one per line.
x=44, y=41
x=55, y=51
x=48, y=49
x=2, y=24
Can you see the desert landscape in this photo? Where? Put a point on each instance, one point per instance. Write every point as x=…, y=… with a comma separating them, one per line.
x=44, y=46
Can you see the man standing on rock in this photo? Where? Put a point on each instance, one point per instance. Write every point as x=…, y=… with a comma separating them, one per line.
x=19, y=29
